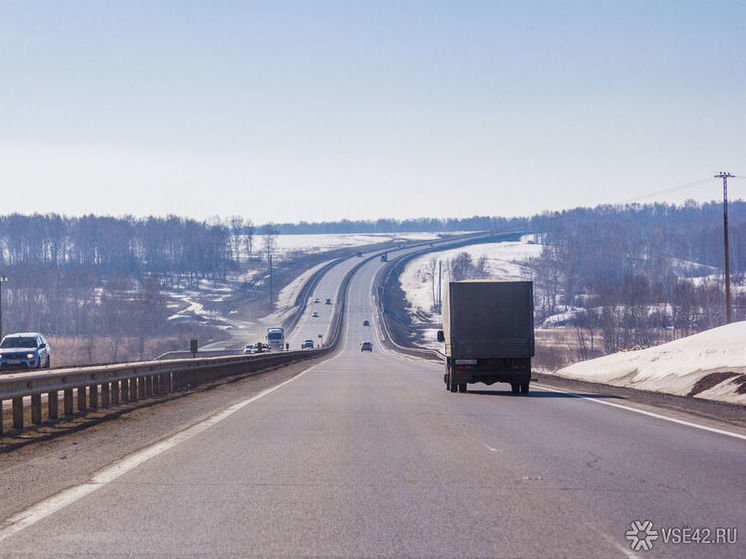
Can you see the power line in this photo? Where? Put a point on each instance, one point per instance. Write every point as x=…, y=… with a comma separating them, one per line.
x=668, y=190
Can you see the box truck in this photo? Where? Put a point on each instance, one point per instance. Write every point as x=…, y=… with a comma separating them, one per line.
x=488, y=330
x=276, y=338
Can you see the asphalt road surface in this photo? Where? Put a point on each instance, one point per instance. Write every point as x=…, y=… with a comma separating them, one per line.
x=366, y=454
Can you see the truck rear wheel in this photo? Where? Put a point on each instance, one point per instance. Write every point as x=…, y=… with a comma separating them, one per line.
x=515, y=387
x=524, y=388
x=462, y=387
x=452, y=385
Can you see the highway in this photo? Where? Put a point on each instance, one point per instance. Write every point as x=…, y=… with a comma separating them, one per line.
x=366, y=454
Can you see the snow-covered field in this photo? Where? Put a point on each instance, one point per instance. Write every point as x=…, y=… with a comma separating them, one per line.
x=677, y=366
x=285, y=244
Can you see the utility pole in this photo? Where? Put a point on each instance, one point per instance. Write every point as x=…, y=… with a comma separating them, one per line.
x=440, y=282
x=2, y=279
x=728, y=313
x=269, y=257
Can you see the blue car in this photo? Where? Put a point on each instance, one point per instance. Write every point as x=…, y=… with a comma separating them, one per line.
x=27, y=350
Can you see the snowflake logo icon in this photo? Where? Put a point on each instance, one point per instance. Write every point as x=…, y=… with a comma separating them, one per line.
x=641, y=535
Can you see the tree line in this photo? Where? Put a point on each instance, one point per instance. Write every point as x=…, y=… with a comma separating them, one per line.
x=106, y=276
x=640, y=273
x=413, y=225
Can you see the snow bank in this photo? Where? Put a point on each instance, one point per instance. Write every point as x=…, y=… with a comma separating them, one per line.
x=676, y=367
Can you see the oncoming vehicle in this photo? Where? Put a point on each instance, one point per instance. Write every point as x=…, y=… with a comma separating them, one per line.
x=259, y=347
x=315, y=315
x=316, y=300
x=275, y=338
x=366, y=346
x=307, y=344
x=25, y=350
x=366, y=323
x=249, y=348
x=328, y=302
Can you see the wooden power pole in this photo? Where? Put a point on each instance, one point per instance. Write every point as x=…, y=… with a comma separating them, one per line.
x=728, y=312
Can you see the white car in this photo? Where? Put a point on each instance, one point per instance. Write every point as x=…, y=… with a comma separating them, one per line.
x=249, y=348
x=27, y=350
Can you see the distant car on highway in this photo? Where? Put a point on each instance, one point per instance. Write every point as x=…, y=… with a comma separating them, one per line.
x=249, y=348
x=366, y=323
x=315, y=315
x=366, y=346
x=328, y=302
x=259, y=347
x=307, y=344
x=28, y=350
x=316, y=300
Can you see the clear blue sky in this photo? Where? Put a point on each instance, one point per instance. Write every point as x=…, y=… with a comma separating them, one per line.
x=289, y=111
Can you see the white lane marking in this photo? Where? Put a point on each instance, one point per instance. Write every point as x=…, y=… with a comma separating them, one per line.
x=50, y=505
x=648, y=413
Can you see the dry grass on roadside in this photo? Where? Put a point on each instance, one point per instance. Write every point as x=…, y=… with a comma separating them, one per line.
x=74, y=351
x=560, y=347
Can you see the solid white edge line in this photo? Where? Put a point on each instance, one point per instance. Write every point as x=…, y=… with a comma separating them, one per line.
x=50, y=505
x=645, y=412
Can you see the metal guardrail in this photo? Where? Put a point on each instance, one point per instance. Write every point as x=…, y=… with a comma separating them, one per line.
x=110, y=385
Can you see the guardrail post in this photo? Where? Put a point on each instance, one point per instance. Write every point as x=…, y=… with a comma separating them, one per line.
x=18, y=413
x=105, y=394
x=141, y=382
x=93, y=395
x=81, y=398
x=149, y=385
x=115, y=392
x=1, y=417
x=36, y=409
x=125, y=384
x=68, y=401
x=53, y=405
x=165, y=383
x=133, y=389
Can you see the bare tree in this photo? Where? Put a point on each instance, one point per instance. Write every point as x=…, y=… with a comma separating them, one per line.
x=269, y=235
x=249, y=230
x=236, y=225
